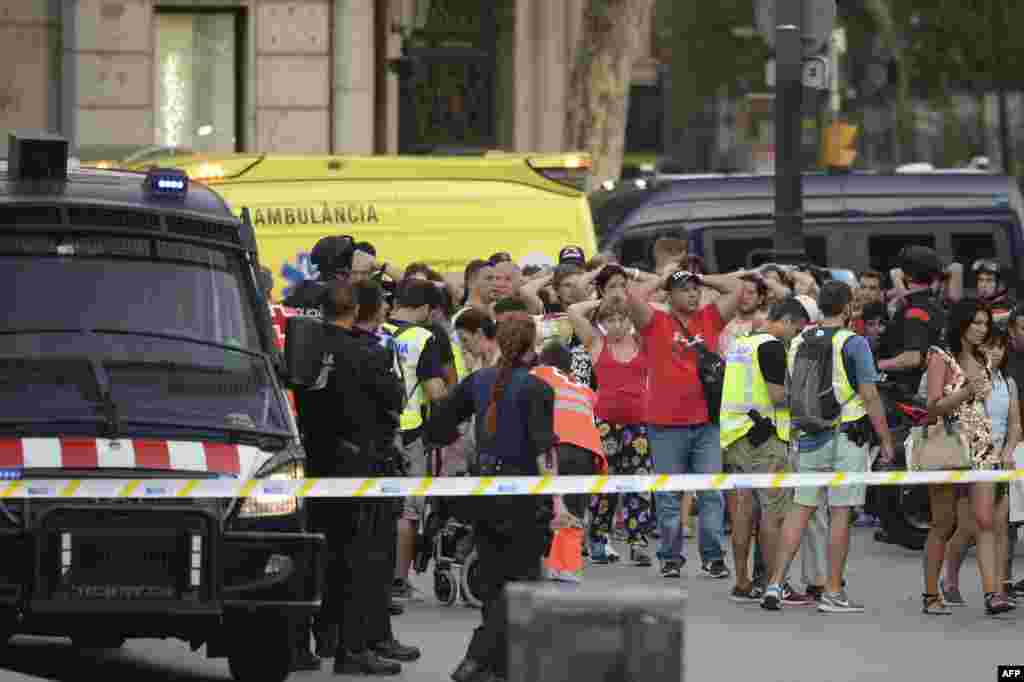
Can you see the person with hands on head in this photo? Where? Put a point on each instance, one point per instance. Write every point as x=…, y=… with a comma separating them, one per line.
x=622, y=370
x=682, y=428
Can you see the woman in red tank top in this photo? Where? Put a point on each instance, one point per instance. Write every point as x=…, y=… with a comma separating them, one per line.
x=620, y=366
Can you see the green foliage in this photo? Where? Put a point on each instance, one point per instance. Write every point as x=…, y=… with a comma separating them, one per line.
x=967, y=43
x=725, y=58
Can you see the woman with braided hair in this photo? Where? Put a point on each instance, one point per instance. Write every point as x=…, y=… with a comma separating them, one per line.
x=515, y=436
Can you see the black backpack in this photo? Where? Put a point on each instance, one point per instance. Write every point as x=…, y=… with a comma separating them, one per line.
x=813, y=405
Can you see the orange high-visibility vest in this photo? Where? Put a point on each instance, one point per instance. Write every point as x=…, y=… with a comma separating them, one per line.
x=574, y=413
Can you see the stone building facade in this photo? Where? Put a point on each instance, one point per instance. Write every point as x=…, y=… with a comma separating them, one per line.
x=292, y=76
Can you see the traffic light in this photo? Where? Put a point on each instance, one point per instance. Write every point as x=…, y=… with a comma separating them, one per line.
x=838, y=150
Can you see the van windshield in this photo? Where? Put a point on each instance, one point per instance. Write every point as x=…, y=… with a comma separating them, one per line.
x=152, y=345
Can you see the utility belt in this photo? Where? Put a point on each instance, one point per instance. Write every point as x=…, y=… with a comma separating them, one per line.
x=859, y=432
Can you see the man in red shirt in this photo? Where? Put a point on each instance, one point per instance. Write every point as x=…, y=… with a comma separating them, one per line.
x=683, y=435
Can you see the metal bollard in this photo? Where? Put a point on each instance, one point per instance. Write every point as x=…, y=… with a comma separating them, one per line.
x=594, y=634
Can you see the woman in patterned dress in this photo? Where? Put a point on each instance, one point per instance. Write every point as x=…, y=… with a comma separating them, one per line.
x=959, y=383
x=620, y=365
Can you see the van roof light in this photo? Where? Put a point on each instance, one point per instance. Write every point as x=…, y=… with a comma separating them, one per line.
x=37, y=156
x=166, y=183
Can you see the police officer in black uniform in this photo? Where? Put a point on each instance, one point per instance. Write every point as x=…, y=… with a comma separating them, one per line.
x=382, y=524
x=354, y=391
x=916, y=326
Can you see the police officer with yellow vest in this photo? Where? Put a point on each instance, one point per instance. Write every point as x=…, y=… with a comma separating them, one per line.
x=755, y=434
x=422, y=367
x=830, y=449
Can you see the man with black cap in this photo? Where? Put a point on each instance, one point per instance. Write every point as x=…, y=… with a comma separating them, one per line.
x=682, y=344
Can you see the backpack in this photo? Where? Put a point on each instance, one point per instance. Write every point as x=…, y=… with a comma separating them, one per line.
x=710, y=371
x=813, y=405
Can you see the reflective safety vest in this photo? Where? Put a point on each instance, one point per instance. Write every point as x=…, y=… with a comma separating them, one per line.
x=852, y=404
x=461, y=369
x=574, y=412
x=745, y=389
x=409, y=344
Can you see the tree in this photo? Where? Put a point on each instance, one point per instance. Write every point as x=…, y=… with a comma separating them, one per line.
x=610, y=43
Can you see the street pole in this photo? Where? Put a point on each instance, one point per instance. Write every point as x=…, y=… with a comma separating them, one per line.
x=789, y=204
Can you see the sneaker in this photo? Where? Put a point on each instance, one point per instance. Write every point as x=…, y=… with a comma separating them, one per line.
x=602, y=554
x=750, y=595
x=638, y=557
x=815, y=592
x=838, y=602
x=671, y=569
x=403, y=590
x=772, y=599
x=791, y=597
x=716, y=570
x=997, y=603
x=951, y=595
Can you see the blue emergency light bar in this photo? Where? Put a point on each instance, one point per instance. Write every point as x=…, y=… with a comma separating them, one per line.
x=167, y=183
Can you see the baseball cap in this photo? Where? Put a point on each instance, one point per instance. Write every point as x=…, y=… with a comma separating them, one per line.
x=680, y=278
x=332, y=255
x=571, y=255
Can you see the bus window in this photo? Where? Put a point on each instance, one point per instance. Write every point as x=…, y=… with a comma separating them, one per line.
x=968, y=248
x=884, y=250
x=731, y=254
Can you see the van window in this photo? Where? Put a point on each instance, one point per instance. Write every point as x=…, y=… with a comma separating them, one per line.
x=731, y=254
x=884, y=250
x=636, y=250
x=968, y=248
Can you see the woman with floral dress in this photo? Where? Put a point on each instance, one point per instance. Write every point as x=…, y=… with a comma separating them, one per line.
x=621, y=368
x=958, y=385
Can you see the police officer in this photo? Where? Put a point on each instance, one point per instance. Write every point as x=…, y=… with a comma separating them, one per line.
x=992, y=290
x=916, y=325
x=354, y=392
x=383, y=522
x=514, y=413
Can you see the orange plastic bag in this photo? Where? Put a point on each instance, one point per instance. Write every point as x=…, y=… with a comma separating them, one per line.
x=566, y=555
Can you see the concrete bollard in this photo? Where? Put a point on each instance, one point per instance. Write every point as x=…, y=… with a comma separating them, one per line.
x=593, y=634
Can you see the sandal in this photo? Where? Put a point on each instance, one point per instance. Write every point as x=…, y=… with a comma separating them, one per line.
x=933, y=605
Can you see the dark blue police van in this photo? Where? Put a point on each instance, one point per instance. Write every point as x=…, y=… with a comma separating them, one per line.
x=857, y=221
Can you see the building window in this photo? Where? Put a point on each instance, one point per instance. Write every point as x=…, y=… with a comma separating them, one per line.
x=198, y=76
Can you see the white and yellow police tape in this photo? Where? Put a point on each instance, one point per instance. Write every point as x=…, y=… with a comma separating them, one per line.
x=460, y=486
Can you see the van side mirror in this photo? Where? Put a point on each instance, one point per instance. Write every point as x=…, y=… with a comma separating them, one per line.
x=303, y=351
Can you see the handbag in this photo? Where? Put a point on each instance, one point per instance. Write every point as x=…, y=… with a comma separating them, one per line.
x=937, y=447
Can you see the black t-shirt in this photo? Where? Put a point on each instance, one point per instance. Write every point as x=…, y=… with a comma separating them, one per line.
x=771, y=356
x=916, y=326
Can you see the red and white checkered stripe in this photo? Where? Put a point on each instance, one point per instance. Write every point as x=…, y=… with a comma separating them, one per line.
x=280, y=314
x=101, y=453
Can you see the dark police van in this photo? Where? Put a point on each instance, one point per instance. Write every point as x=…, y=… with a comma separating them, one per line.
x=135, y=343
x=856, y=221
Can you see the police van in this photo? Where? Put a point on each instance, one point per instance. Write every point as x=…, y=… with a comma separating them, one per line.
x=856, y=221
x=442, y=210
x=136, y=345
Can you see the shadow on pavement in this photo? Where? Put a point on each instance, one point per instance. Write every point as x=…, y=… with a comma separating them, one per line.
x=57, y=659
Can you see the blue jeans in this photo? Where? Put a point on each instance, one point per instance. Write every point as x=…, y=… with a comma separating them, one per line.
x=688, y=450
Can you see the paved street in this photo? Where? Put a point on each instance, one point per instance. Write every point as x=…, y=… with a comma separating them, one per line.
x=725, y=641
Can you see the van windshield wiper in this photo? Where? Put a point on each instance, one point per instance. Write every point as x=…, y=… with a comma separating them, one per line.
x=25, y=370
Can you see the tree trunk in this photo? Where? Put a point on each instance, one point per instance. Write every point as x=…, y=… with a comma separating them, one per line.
x=611, y=39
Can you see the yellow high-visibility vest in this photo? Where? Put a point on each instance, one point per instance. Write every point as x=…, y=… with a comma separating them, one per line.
x=744, y=389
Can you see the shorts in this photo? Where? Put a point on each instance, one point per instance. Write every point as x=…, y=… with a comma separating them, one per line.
x=416, y=461
x=771, y=457
x=837, y=455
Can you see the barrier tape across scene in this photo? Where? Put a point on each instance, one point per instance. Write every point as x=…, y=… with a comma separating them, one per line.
x=463, y=486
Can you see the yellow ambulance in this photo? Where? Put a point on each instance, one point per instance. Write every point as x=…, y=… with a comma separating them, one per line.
x=444, y=211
